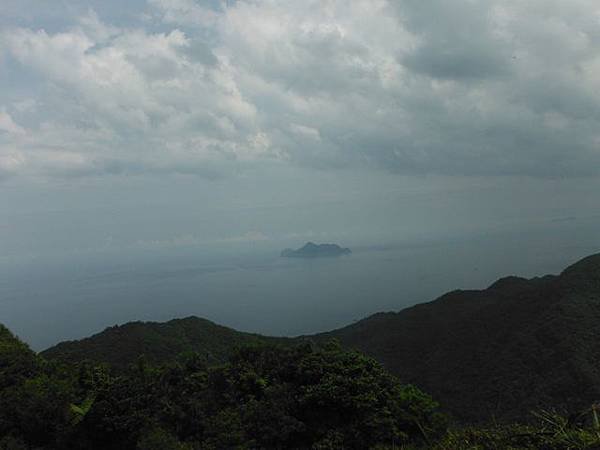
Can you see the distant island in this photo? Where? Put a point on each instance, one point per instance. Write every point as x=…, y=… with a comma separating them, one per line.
x=312, y=250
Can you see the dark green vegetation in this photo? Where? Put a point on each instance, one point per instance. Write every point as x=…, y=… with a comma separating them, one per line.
x=312, y=250
x=497, y=354
x=121, y=346
x=487, y=356
x=264, y=396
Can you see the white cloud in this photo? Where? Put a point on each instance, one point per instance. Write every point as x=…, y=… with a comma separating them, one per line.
x=8, y=125
x=413, y=87
x=137, y=99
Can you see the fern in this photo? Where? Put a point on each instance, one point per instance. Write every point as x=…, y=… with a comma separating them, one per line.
x=80, y=411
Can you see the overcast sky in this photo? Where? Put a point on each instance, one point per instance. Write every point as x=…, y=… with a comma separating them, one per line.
x=178, y=122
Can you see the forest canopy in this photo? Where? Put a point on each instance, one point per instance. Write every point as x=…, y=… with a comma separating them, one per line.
x=264, y=396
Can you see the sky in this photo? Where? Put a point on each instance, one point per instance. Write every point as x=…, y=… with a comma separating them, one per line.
x=175, y=123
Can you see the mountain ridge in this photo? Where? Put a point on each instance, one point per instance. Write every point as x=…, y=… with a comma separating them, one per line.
x=159, y=342
x=518, y=345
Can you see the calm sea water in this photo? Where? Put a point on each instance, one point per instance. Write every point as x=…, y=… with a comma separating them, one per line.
x=253, y=289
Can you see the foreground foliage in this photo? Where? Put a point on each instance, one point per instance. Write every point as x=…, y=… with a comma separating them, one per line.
x=264, y=397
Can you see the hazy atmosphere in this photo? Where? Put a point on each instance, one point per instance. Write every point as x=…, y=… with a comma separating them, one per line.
x=156, y=156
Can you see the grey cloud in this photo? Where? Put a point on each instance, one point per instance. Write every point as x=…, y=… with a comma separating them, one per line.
x=200, y=51
x=458, y=62
x=456, y=40
x=455, y=88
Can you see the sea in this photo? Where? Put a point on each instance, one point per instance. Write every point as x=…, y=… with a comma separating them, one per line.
x=251, y=288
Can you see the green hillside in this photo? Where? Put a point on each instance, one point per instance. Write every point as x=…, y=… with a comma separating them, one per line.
x=158, y=342
x=498, y=353
x=261, y=396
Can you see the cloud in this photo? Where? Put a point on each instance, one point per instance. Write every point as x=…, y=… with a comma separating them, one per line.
x=461, y=88
x=455, y=41
x=132, y=99
x=184, y=12
x=8, y=125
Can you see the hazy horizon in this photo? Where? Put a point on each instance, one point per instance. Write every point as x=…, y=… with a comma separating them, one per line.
x=201, y=133
x=249, y=287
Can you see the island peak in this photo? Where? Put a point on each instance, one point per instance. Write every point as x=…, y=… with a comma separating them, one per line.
x=312, y=250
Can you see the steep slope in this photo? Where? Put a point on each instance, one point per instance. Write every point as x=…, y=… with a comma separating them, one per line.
x=497, y=353
x=17, y=360
x=158, y=342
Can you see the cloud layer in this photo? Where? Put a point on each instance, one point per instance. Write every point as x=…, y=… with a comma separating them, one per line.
x=455, y=88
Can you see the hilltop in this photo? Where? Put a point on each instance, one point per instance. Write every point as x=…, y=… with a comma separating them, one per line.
x=158, y=342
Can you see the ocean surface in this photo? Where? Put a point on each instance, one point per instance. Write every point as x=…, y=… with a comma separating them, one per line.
x=251, y=288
